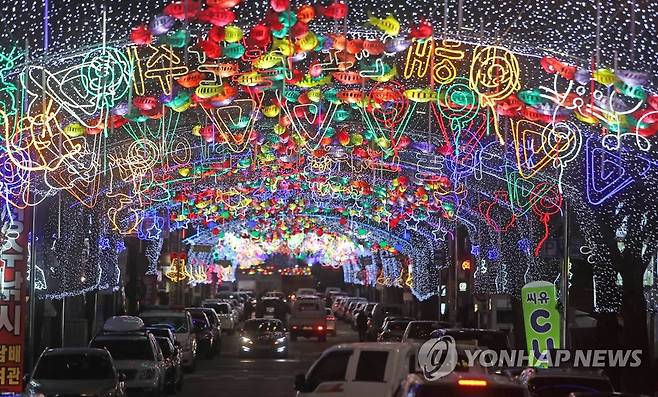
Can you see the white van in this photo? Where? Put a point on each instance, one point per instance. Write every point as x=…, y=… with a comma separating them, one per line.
x=357, y=370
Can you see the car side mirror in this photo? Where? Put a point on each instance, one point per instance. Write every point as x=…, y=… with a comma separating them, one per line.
x=300, y=383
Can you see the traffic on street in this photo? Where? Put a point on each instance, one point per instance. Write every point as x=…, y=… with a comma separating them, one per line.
x=278, y=345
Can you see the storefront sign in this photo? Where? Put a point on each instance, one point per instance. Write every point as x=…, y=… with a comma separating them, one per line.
x=542, y=320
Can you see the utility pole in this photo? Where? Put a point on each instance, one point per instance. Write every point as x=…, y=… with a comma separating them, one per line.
x=564, y=279
x=454, y=291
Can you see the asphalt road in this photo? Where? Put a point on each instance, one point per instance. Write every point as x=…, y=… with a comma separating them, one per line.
x=230, y=375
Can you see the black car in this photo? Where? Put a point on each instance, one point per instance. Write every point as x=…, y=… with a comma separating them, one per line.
x=172, y=356
x=264, y=336
x=204, y=333
x=215, y=326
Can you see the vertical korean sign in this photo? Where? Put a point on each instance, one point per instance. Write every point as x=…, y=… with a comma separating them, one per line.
x=13, y=308
x=542, y=320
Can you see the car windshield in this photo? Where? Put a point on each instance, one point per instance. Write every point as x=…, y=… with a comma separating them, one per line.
x=74, y=366
x=451, y=390
x=261, y=326
x=199, y=319
x=178, y=323
x=422, y=330
x=126, y=349
x=563, y=386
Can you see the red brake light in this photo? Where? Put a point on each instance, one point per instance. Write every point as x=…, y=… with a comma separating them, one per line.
x=472, y=382
x=294, y=327
x=320, y=328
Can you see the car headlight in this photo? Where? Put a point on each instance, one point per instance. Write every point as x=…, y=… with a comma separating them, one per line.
x=148, y=373
x=246, y=341
x=281, y=340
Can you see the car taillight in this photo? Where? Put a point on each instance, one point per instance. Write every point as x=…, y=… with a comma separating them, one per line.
x=294, y=327
x=320, y=328
x=472, y=382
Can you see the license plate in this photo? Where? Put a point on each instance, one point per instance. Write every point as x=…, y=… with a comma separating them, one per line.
x=269, y=310
x=307, y=328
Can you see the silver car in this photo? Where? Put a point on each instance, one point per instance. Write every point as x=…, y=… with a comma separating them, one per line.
x=138, y=356
x=75, y=371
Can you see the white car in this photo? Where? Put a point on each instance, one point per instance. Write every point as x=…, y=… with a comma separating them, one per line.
x=136, y=354
x=75, y=371
x=357, y=370
x=225, y=313
x=180, y=323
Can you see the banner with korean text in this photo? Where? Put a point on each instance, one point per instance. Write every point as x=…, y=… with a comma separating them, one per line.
x=14, y=258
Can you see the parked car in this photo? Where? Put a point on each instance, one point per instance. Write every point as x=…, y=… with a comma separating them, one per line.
x=393, y=331
x=342, y=309
x=350, y=314
x=373, y=332
x=483, y=338
x=75, y=371
x=136, y=354
x=337, y=302
x=235, y=309
x=215, y=326
x=261, y=335
x=560, y=382
x=366, y=308
x=173, y=365
x=420, y=330
x=357, y=370
x=308, y=319
x=382, y=310
x=224, y=312
x=204, y=333
x=351, y=307
x=181, y=323
x=235, y=299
